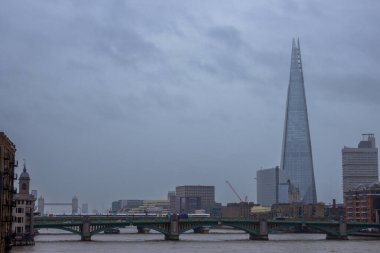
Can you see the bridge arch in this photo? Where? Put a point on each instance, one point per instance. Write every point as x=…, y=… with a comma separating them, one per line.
x=99, y=230
x=240, y=227
x=321, y=228
x=156, y=228
x=189, y=226
x=68, y=229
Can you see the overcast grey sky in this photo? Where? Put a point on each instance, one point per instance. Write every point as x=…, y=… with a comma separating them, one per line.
x=121, y=99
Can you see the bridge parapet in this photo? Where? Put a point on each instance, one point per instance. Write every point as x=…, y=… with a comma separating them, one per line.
x=86, y=226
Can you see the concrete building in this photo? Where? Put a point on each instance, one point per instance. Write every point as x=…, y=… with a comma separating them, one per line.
x=299, y=211
x=126, y=204
x=132, y=203
x=360, y=165
x=237, y=210
x=7, y=165
x=273, y=186
x=363, y=203
x=116, y=206
x=84, y=208
x=74, y=205
x=22, y=226
x=151, y=206
x=261, y=212
x=171, y=198
x=296, y=156
x=41, y=206
x=194, y=197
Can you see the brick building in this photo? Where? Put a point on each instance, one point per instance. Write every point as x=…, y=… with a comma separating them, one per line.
x=7, y=165
x=363, y=203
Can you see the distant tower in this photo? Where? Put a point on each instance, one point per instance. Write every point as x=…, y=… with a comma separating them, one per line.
x=74, y=205
x=296, y=157
x=84, y=208
x=41, y=205
x=360, y=165
x=24, y=181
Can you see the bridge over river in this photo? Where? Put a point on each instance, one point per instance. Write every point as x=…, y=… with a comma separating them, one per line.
x=87, y=225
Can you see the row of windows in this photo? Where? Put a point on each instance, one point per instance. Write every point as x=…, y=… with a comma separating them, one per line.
x=22, y=202
x=18, y=219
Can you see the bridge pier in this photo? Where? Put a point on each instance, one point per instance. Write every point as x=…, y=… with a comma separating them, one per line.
x=342, y=233
x=263, y=232
x=85, y=231
x=173, y=229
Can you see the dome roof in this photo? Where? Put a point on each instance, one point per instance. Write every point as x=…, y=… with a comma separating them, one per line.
x=24, y=175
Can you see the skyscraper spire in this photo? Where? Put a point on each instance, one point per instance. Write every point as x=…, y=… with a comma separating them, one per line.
x=296, y=157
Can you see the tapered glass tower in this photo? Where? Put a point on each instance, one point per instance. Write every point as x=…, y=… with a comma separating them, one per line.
x=296, y=158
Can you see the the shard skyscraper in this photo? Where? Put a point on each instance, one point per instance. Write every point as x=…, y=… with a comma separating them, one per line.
x=296, y=157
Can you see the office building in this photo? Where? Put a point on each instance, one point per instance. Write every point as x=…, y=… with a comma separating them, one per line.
x=360, y=165
x=171, y=198
x=296, y=156
x=74, y=205
x=195, y=197
x=41, y=206
x=269, y=182
x=7, y=166
x=84, y=208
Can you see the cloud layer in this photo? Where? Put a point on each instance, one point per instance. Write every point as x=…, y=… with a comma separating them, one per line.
x=124, y=99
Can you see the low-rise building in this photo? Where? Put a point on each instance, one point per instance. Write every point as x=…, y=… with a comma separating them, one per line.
x=152, y=206
x=261, y=212
x=237, y=210
x=363, y=203
x=335, y=211
x=299, y=211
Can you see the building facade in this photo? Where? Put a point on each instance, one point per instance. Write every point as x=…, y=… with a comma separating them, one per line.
x=360, y=165
x=363, y=203
x=171, y=198
x=269, y=182
x=74, y=205
x=7, y=165
x=195, y=197
x=299, y=211
x=237, y=210
x=84, y=208
x=22, y=226
x=296, y=156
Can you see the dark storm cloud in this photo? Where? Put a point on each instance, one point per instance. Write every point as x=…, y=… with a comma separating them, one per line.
x=163, y=93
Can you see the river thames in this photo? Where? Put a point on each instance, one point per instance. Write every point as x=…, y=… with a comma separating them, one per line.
x=220, y=241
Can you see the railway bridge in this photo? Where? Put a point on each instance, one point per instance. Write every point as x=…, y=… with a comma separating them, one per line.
x=87, y=226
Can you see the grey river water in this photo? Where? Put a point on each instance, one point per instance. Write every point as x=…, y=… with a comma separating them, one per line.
x=221, y=241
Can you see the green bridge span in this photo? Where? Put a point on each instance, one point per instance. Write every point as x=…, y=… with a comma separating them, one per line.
x=86, y=226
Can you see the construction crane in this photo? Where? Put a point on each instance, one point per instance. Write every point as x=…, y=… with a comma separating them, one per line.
x=237, y=194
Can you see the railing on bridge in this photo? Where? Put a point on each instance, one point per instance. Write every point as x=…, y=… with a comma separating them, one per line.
x=86, y=226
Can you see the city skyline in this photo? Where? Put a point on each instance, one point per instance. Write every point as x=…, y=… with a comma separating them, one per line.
x=114, y=100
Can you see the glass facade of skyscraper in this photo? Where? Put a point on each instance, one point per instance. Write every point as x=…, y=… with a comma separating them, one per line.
x=297, y=159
